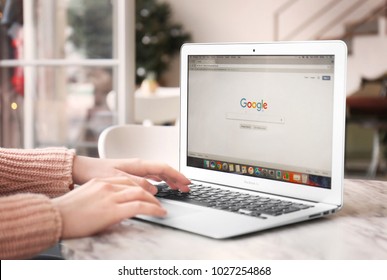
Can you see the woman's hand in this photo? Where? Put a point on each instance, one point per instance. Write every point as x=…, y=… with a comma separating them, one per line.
x=86, y=168
x=101, y=203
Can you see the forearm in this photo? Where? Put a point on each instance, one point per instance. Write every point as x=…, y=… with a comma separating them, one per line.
x=29, y=223
x=47, y=171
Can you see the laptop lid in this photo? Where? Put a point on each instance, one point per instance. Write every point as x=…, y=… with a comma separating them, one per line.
x=267, y=117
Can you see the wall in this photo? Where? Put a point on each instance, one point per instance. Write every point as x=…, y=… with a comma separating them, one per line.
x=222, y=21
x=253, y=20
x=369, y=60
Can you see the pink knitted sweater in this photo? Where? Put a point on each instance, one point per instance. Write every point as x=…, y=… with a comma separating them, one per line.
x=29, y=222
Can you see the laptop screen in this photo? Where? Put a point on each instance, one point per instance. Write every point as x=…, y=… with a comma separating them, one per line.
x=268, y=117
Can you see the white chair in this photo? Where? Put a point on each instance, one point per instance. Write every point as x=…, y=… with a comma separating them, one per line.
x=136, y=141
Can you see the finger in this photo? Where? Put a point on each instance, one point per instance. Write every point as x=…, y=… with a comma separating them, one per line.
x=119, y=180
x=130, y=180
x=144, y=184
x=108, y=185
x=154, y=178
x=170, y=174
x=131, y=209
x=172, y=184
x=135, y=194
x=172, y=177
x=160, y=170
x=175, y=186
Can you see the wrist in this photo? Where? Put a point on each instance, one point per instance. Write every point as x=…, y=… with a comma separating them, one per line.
x=84, y=169
x=77, y=164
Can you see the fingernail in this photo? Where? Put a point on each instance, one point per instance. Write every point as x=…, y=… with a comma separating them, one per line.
x=153, y=189
x=184, y=188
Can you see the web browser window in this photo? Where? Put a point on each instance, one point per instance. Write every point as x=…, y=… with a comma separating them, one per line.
x=262, y=116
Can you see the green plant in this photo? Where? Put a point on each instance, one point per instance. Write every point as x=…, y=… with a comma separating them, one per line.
x=157, y=39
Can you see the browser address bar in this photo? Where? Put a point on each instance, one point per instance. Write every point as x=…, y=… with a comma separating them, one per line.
x=265, y=66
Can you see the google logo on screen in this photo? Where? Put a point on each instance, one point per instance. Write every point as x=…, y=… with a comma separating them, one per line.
x=259, y=106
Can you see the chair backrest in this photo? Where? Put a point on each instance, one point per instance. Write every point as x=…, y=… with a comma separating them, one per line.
x=136, y=141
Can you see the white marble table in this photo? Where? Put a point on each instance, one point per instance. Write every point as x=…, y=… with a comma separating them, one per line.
x=358, y=231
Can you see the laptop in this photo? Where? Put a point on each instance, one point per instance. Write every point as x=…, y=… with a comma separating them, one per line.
x=261, y=136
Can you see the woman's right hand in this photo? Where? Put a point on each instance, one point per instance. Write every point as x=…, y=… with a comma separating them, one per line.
x=101, y=203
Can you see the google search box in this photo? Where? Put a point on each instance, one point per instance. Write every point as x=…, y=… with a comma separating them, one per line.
x=259, y=117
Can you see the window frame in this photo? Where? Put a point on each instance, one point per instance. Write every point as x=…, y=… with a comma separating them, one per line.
x=123, y=64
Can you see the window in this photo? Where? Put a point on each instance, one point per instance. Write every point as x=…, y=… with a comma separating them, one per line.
x=59, y=62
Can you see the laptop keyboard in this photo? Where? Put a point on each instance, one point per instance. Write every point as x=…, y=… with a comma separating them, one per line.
x=232, y=201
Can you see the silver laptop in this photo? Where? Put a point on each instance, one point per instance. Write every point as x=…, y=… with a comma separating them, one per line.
x=261, y=137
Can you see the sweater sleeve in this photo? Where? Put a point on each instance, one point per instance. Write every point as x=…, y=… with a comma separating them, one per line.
x=47, y=171
x=29, y=223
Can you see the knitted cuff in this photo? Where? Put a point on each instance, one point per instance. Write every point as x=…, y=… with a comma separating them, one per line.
x=47, y=171
x=29, y=223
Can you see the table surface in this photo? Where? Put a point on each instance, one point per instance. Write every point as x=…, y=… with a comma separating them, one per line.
x=358, y=231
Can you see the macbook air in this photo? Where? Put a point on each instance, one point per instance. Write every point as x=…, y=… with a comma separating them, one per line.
x=261, y=136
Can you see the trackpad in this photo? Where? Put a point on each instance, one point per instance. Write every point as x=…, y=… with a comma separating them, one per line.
x=205, y=221
x=175, y=210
